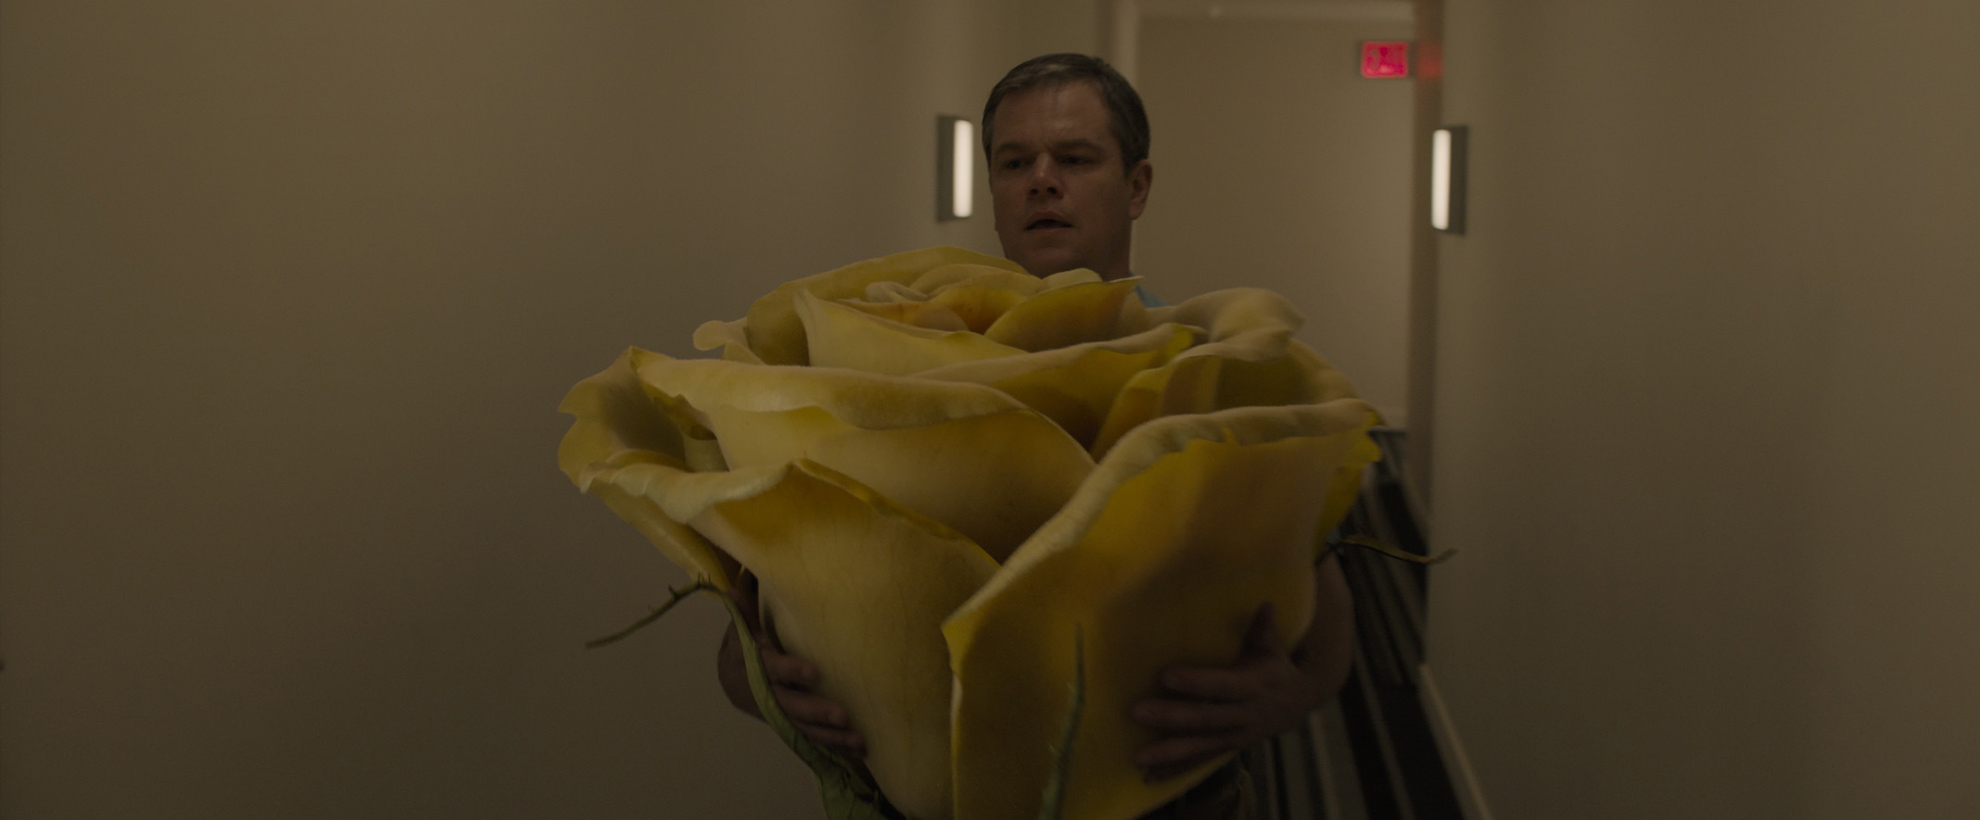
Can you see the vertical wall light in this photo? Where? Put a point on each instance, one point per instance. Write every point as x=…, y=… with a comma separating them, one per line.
x=1447, y=179
x=955, y=170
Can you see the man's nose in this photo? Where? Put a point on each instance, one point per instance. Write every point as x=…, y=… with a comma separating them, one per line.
x=1044, y=177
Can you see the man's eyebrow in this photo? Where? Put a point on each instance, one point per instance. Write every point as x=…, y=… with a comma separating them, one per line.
x=1078, y=142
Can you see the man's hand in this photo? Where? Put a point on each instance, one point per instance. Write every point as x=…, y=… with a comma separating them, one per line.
x=1201, y=712
x=820, y=719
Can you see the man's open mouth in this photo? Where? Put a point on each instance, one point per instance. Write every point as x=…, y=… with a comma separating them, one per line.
x=1042, y=224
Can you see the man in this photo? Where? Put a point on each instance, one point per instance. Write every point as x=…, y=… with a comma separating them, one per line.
x=1067, y=146
x=1067, y=143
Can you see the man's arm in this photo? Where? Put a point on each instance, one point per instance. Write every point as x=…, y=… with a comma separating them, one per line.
x=1202, y=712
x=820, y=719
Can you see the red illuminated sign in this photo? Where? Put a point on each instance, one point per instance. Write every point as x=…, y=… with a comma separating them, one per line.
x=1384, y=59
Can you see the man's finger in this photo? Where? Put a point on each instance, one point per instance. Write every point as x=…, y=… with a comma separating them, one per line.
x=1189, y=717
x=823, y=722
x=842, y=742
x=1168, y=758
x=789, y=670
x=806, y=708
x=1213, y=685
x=1261, y=638
x=743, y=592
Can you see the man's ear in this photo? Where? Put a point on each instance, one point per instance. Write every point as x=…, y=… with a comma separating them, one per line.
x=1140, y=178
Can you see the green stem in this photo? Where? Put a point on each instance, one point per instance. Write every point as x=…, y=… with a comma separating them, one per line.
x=1055, y=788
x=642, y=623
x=846, y=795
x=1385, y=549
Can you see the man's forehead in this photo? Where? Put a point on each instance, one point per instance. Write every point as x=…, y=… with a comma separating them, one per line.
x=1060, y=115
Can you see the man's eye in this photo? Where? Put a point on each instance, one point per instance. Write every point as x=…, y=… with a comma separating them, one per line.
x=1073, y=160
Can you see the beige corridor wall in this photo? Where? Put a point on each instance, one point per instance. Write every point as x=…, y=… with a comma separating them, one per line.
x=1706, y=409
x=1277, y=165
x=289, y=293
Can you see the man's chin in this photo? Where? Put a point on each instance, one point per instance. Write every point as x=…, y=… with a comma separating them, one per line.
x=1048, y=263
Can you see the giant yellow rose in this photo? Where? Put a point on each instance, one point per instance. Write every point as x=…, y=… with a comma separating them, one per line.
x=943, y=470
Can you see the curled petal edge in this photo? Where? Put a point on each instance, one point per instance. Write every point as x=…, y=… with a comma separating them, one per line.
x=843, y=335
x=830, y=554
x=1181, y=518
x=867, y=400
x=773, y=329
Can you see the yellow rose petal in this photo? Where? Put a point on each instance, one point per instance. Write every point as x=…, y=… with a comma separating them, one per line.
x=1162, y=558
x=841, y=335
x=889, y=291
x=1074, y=386
x=777, y=336
x=865, y=400
x=615, y=413
x=1135, y=317
x=1323, y=381
x=919, y=314
x=860, y=587
x=621, y=482
x=622, y=424
x=1004, y=275
x=1068, y=278
x=1234, y=312
x=1250, y=359
x=979, y=305
x=1063, y=316
x=730, y=336
x=963, y=454
x=1178, y=387
x=977, y=293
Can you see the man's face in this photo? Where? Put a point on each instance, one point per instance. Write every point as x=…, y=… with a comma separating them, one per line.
x=1061, y=197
